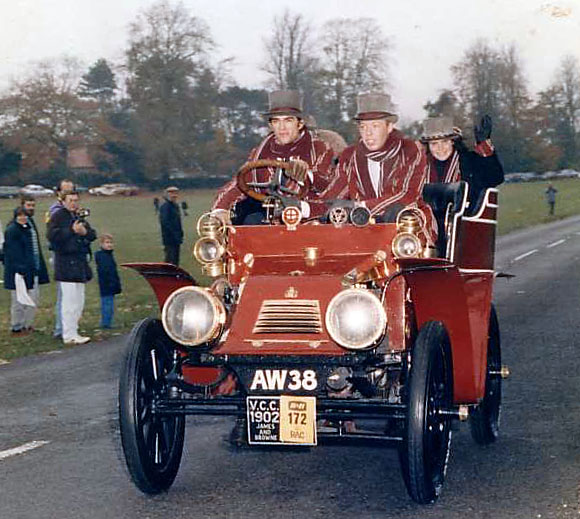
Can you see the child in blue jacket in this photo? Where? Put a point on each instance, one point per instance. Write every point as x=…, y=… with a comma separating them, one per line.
x=109, y=282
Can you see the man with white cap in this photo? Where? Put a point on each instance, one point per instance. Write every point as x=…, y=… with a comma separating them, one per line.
x=384, y=169
x=289, y=140
x=171, y=229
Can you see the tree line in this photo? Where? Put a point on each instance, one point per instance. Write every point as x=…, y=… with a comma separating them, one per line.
x=171, y=107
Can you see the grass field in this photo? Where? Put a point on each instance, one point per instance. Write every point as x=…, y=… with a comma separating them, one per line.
x=135, y=227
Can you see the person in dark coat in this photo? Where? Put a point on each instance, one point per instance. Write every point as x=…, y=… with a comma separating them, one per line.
x=109, y=282
x=551, y=198
x=171, y=230
x=449, y=160
x=70, y=238
x=184, y=207
x=22, y=257
x=64, y=185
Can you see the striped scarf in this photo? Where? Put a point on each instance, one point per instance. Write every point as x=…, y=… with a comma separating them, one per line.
x=451, y=170
x=35, y=244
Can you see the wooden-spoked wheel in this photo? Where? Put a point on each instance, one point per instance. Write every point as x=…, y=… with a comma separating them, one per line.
x=427, y=435
x=152, y=444
x=484, y=419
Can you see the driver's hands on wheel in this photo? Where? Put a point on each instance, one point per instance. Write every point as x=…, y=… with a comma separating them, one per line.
x=298, y=170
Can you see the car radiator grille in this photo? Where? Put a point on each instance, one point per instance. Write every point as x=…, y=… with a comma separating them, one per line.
x=289, y=316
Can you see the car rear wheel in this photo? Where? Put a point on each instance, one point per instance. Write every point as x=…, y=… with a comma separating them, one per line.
x=152, y=444
x=427, y=436
x=484, y=419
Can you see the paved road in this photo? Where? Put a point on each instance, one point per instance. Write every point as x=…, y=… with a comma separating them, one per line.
x=68, y=400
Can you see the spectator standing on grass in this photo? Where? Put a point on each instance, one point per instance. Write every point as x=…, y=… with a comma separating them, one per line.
x=70, y=238
x=28, y=202
x=551, y=198
x=156, y=205
x=65, y=185
x=1, y=243
x=21, y=257
x=109, y=282
x=184, y=208
x=170, y=221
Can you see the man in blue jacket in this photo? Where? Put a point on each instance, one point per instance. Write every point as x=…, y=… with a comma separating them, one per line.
x=23, y=257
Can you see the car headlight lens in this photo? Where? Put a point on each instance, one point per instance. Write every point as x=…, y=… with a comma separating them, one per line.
x=193, y=316
x=406, y=245
x=208, y=250
x=355, y=318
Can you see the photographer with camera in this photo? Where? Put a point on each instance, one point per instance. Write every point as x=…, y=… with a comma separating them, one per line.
x=64, y=185
x=70, y=236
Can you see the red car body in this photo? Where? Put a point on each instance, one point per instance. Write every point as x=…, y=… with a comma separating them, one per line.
x=286, y=267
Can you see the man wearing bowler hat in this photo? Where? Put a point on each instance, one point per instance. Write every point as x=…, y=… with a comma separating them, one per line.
x=289, y=140
x=384, y=169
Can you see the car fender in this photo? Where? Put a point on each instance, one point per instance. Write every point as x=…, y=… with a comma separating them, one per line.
x=441, y=295
x=164, y=278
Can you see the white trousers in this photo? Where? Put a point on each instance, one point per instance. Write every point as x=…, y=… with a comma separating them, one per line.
x=73, y=302
x=22, y=316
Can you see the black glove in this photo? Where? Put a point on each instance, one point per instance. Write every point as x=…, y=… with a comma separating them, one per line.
x=459, y=145
x=483, y=131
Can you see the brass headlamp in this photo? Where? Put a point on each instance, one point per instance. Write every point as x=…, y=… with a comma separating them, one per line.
x=407, y=244
x=210, y=249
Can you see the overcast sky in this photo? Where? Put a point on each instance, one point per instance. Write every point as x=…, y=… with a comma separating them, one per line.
x=427, y=36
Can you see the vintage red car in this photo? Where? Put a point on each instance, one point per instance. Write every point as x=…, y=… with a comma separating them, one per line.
x=336, y=328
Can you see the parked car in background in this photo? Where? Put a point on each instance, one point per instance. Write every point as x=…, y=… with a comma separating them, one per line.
x=9, y=191
x=114, y=189
x=36, y=190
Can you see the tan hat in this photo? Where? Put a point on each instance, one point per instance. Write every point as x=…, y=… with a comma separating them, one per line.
x=375, y=106
x=436, y=128
x=284, y=102
x=171, y=188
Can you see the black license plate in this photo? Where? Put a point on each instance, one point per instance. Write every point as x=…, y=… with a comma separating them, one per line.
x=281, y=420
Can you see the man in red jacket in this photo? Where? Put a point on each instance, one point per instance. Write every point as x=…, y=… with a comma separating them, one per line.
x=289, y=140
x=384, y=169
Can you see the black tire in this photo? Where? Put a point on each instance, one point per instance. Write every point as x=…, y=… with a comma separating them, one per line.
x=152, y=444
x=427, y=436
x=484, y=419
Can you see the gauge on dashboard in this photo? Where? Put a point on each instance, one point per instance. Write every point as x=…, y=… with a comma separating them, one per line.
x=360, y=216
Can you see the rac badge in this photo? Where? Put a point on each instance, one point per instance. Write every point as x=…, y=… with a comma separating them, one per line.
x=291, y=217
x=291, y=293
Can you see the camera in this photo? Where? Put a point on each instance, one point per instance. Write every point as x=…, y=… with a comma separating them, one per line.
x=83, y=213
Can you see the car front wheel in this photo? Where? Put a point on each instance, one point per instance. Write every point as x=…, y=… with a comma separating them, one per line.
x=427, y=436
x=152, y=444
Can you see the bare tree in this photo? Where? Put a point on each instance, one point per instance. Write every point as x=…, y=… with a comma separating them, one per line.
x=513, y=131
x=353, y=57
x=477, y=79
x=166, y=61
x=287, y=49
x=567, y=90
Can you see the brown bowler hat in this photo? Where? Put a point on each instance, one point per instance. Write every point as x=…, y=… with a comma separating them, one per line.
x=375, y=106
x=284, y=102
x=436, y=128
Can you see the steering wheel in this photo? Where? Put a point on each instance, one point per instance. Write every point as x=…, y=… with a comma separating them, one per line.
x=273, y=188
